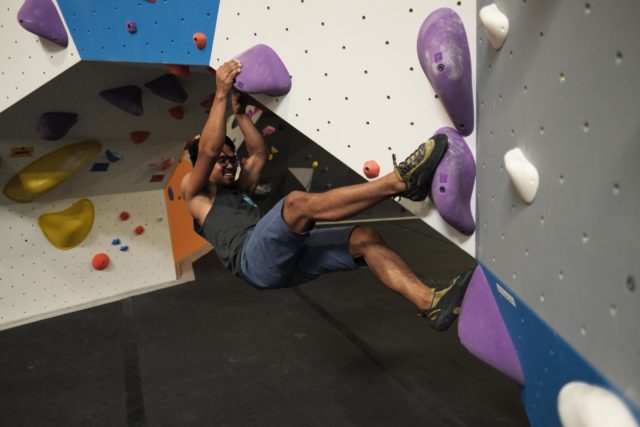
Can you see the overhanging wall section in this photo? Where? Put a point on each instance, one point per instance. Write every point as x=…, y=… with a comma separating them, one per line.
x=358, y=88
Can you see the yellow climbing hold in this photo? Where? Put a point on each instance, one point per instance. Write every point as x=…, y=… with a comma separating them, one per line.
x=49, y=171
x=68, y=228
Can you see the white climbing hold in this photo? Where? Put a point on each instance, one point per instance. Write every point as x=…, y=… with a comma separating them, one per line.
x=522, y=173
x=495, y=23
x=585, y=405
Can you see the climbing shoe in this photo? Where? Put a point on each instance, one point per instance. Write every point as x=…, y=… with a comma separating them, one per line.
x=446, y=303
x=418, y=169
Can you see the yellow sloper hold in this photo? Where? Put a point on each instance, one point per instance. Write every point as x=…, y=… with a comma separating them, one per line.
x=68, y=228
x=49, y=171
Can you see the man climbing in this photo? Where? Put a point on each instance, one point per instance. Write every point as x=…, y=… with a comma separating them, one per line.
x=283, y=248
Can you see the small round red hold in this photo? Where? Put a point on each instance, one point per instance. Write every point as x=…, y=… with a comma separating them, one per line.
x=200, y=40
x=139, y=229
x=124, y=215
x=100, y=261
x=371, y=169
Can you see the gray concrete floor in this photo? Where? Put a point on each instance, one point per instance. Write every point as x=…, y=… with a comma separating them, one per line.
x=341, y=351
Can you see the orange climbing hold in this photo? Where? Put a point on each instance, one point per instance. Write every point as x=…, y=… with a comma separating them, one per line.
x=181, y=71
x=200, y=40
x=177, y=112
x=100, y=261
x=371, y=169
x=139, y=136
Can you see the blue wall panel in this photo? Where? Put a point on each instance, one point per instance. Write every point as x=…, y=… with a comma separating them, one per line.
x=165, y=29
x=548, y=361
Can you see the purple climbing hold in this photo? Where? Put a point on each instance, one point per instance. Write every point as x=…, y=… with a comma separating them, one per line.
x=41, y=18
x=262, y=72
x=443, y=51
x=168, y=87
x=453, y=181
x=127, y=98
x=131, y=26
x=482, y=330
x=53, y=126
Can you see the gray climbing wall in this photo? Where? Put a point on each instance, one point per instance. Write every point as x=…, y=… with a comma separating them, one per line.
x=564, y=88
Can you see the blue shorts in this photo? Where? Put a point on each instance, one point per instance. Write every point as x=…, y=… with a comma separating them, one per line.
x=275, y=256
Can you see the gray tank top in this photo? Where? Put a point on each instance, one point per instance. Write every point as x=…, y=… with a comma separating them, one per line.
x=231, y=216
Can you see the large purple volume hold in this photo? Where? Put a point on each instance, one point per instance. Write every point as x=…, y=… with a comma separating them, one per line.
x=443, y=51
x=482, y=331
x=54, y=125
x=41, y=17
x=452, y=184
x=262, y=72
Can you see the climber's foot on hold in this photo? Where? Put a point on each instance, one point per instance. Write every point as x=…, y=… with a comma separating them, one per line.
x=418, y=169
x=446, y=303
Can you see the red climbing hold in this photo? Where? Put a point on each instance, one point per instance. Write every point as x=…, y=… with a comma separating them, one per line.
x=181, y=71
x=177, y=112
x=139, y=229
x=371, y=169
x=100, y=261
x=200, y=40
x=138, y=136
x=124, y=215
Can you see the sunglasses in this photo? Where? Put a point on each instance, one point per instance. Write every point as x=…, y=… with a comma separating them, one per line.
x=223, y=160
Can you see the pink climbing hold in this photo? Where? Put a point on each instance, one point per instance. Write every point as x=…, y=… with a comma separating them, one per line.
x=371, y=169
x=262, y=72
x=54, y=125
x=268, y=130
x=41, y=18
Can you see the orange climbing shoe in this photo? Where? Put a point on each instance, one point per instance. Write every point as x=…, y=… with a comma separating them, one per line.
x=418, y=169
x=446, y=303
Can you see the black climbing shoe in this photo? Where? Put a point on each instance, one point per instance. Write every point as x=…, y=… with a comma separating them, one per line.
x=418, y=169
x=446, y=303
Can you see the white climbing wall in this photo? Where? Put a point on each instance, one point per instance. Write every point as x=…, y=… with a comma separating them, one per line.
x=358, y=88
x=27, y=60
